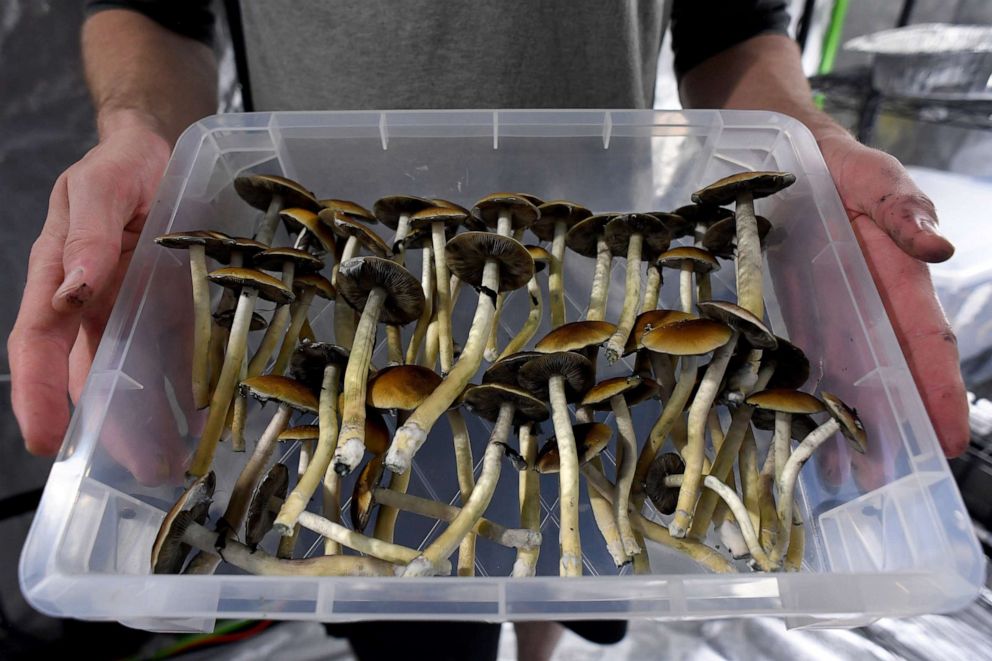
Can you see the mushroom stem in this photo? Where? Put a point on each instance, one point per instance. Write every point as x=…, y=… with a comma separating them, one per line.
x=287, y=543
x=570, y=563
x=671, y=412
x=631, y=296
x=685, y=286
x=704, y=287
x=606, y=521
x=491, y=354
x=412, y=434
x=652, y=288
x=201, y=325
x=351, y=440
x=445, y=298
x=221, y=399
x=431, y=344
x=423, y=324
x=503, y=224
x=626, y=460
x=529, y=329
x=529, y=494
x=298, y=314
x=748, y=466
x=781, y=440
x=362, y=543
x=694, y=452
x=600, y=280
x=344, y=316
x=749, y=278
x=556, y=273
x=270, y=221
x=238, y=423
x=394, y=345
x=316, y=469
x=276, y=328
x=385, y=520
x=331, y=506
x=399, y=239
x=464, y=465
x=797, y=544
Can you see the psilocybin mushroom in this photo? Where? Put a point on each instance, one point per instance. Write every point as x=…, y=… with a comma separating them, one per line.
x=252, y=284
x=663, y=496
x=395, y=211
x=557, y=217
x=588, y=238
x=261, y=515
x=170, y=550
x=506, y=212
x=784, y=403
x=721, y=237
x=311, y=234
x=687, y=260
x=272, y=193
x=383, y=291
x=743, y=188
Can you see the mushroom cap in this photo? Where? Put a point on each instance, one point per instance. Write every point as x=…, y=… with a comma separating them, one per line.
x=321, y=285
x=575, y=368
x=791, y=365
x=802, y=425
x=736, y=317
x=485, y=401
x=784, y=400
x=554, y=211
x=656, y=237
x=261, y=516
x=507, y=370
x=295, y=220
x=449, y=217
x=357, y=277
x=309, y=360
x=282, y=389
x=347, y=226
x=353, y=210
x=523, y=212
x=702, y=214
x=688, y=337
x=274, y=258
x=583, y=236
x=576, y=336
x=649, y=320
x=401, y=387
x=467, y=253
x=533, y=199
x=225, y=319
x=300, y=433
x=258, y=190
x=223, y=251
x=701, y=261
x=169, y=551
x=720, y=237
x=678, y=226
x=759, y=184
x=540, y=256
x=183, y=240
x=850, y=423
x=664, y=498
x=389, y=209
x=269, y=288
x=363, y=495
x=591, y=438
x=448, y=204
x=634, y=389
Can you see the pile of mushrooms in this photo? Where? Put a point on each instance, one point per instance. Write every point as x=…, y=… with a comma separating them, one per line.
x=709, y=375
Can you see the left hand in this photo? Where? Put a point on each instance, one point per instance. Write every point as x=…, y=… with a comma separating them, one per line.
x=896, y=225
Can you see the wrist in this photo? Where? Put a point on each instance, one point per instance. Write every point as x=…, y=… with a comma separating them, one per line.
x=113, y=119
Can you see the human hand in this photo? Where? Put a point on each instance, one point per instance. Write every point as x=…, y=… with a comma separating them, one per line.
x=896, y=226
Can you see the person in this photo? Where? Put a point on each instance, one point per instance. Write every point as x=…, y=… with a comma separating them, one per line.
x=152, y=72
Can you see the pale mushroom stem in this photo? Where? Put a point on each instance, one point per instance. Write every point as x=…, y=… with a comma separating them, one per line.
x=287, y=543
x=370, y=546
x=399, y=239
x=276, y=328
x=491, y=353
x=331, y=506
x=238, y=421
x=503, y=224
x=219, y=335
x=394, y=345
x=631, y=297
x=412, y=434
x=671, y=412
x=201, y=325
x=781, y=440
x=694, y=451
x=429, y=359
x=685, y=286
x=351, y=440
x=464, y=465
x=748, y=462
x=423, y=324
x=797, y=544
x=626, y=461
x=600, y=280
x=385, y=520
x=652, y=288
x=556, y=274
x=529, y=495
x=570, y=562
x=270, y=221
x=298, y=314
x=704, y=287
x=749, y=278
x=316, y=469
x=445, y=299
x=220, y=401
x=606, y=521
x=344, y=316
x=529, y=329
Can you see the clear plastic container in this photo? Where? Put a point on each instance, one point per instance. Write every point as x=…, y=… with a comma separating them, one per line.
x=887, y=533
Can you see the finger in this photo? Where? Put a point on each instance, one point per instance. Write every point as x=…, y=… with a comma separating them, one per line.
x=923, y=332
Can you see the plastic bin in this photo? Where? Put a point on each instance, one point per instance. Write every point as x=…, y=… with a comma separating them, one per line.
x=887, y=533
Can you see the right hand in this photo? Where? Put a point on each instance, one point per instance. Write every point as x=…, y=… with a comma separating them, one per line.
x=95, y=215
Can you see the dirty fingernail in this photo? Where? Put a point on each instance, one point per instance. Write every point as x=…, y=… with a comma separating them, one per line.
x=74, y=290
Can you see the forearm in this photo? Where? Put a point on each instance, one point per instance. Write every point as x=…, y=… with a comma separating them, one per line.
x=140, y=72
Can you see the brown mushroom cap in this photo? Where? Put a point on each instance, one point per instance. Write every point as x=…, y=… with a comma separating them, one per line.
x=664, y=498
x=540, y=256
x=689, y=337
x=759, y=184
x=634, y=389
x=656, y=237
x=169, y=551
x=575, y=368
x=389, y=209
x=282, y=389
x=783, y=400
x=701, y=261
x=523, y=212
x=802, y=425
x=321, y=285
x=850, y=423
x=720, y=237
x=576, y=336
x=649, y=320
x=702, y=214
x=554, y=211
x=258, y=190
x=347, y=226
x=363, y=496
x=224, y=250
x=225, y=319
x=533, y=199
x=261, y=515
x=506, y=370
x=274, y=258
x=467, y=253
x=269, y=288
x=357, y=278
x=183, y=240
x=449, y=217
x=485, y=401
x=296, y=220
x=791, y=365
x=591, y=438
x=582, y=236
x=353, y=210
x=736, y=317
x=448, y=204
x=309, y=360
x=401, y=387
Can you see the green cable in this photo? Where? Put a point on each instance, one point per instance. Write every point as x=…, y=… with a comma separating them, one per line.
x=225, y=627
x=831, y=44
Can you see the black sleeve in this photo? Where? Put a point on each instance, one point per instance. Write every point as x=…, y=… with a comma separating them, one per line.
x=703, y=28
x=190, y=18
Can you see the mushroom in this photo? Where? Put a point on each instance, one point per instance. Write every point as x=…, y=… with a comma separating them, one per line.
x=560, y=378
x=223, y=321
x=491, y=263
x=676, y=226
x=784, y=403
x=588, y=238
x=700, y=217
x=557, y=217
x=687, y=260
x=306, y=436
x=305, y=288
x=662, y=495
x=253, y=284
x=721, y=237
x=637, y=236
x=662, y=364
x=272, y=193
x=312, y=235
x=526, y=333
x=260, y=517
x=383, y=291
x=170, y=550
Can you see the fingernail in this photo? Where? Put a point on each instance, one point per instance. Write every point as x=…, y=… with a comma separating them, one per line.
x=74, y=290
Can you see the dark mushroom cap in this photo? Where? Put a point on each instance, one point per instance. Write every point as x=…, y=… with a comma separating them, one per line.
x=467, y=253
x=183, y=240
x=702, y=214
x=319, y=238
x=582, y=237
x=485, y=401
x=678, y=226
x=783, y=400
x=802, y=425
x=347, y=226
x=274, y=258
x=533, y=199
x=720, y=237
x=363, y=496
x=300, y=433
x=269, y=288
x=309, y=360
x=649, y=320
x=448, y=204
x=791, y=365
x=506, y=370
x=401, y=387
x=357, y=278
x=554, y=211
x=169, y=551
x=759, y=184
x=736, y=317
x=701, y=261
x=664, y=498
x=634, y=389
x=282, y=389
x=688, y=337
x=225, y=319
x=389, y=209
x=223, y=251
x=449, y=217
x=259, y=189
x=261, y=514
x=656, y=237
x=576, y=336
x=540, y=256
x=850, y=423
x=353, y=210
x=321, y=285
x=591, y=438
x=575, y=368
x=523, y=212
